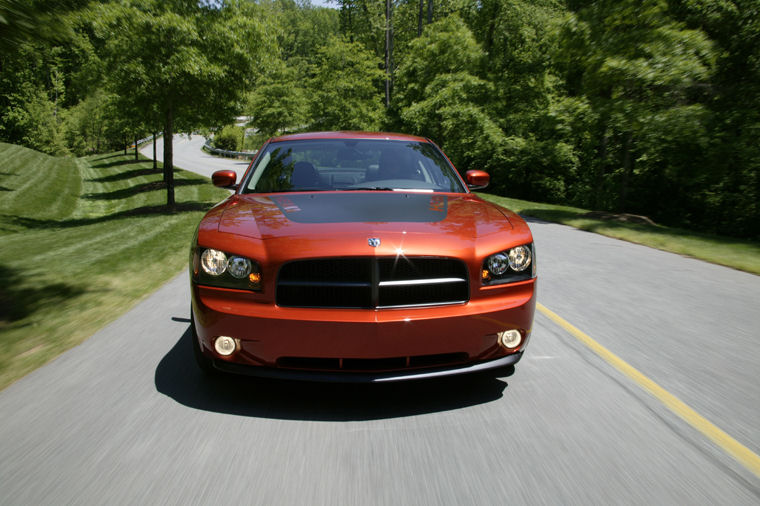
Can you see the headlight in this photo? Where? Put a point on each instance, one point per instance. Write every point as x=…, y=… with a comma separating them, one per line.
x=498, y=264
x=519, y=258
x=509, y=266
x=239, y=267
x=227, y=271
x=214, y=262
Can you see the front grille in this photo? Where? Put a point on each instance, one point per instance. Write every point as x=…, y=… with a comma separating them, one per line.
x=372, y=364
x=372, y=282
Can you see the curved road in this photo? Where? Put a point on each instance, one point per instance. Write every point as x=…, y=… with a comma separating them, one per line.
x=189, y=155
x=126, y=418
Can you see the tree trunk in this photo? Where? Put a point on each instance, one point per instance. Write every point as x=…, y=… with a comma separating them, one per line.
x=136, y=158
x=599, y=172
x=155, y=164
x=125, y=144
x=390, y=58
x=387, y=53
x=430, y=11
x=494, y=15
x=351, y=23
x=169, y=155
x=627, y=171
x=419, y=18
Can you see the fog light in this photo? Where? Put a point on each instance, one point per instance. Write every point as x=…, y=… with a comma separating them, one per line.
x=510, y=338
x=224, y=345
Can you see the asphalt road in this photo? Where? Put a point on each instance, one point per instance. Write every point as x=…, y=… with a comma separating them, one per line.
x=125, y=418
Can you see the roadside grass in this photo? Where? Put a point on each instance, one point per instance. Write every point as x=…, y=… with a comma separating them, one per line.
x=82, y=241
x=735, y=253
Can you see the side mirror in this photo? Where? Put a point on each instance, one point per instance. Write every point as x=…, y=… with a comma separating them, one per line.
x=477, y=179
x=224, y=179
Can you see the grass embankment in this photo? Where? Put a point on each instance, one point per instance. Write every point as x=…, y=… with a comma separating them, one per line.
x=735, y=253
x=82, y=240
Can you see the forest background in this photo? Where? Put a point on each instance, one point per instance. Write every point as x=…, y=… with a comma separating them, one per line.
x=649, y=107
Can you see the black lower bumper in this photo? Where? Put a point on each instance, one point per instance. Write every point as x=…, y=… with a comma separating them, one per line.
x=365, y=377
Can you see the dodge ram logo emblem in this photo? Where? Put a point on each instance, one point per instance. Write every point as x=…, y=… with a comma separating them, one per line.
x=374, y=242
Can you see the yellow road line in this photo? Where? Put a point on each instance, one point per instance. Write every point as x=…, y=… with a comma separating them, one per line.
x=744, y=455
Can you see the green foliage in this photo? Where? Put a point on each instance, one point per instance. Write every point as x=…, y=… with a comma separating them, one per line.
x=93, y=126
x=178, y=64
x=37, y=86
x=644, y=76
x=22, y=21
x=439, y=96
x=36, y=118
x=730, y=195
x=229, y=138
x=300, y=28
x=279, y=101
x=344, y=91
x=445, y=48
x=185, y=60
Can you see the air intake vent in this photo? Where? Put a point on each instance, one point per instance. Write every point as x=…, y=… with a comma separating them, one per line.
x=372, y=282
x=372, y=364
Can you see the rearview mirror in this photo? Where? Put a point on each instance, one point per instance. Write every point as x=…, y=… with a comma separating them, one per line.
x=224, y=179
x=477, y=179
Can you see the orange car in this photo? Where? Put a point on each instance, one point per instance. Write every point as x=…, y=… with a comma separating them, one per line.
x=359, y=257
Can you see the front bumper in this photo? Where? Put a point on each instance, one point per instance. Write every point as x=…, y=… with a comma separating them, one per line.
x=271, y=338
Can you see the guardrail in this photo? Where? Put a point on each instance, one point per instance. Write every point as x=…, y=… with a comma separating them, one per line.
x=148, y=139
x=229, y=154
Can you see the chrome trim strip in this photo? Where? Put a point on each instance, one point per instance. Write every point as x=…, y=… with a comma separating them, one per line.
x=432, y=281
x=425, y=304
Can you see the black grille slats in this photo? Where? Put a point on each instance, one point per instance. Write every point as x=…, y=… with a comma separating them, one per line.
x=372, y=282
x=419, y=268
x=346, y=296
x=328, y=270
x=372, y=364
x=414, y=295
x=345, y=283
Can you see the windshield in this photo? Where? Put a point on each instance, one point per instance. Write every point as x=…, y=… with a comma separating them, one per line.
x=352, y=164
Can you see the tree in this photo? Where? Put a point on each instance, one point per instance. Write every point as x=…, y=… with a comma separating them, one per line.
x=344, y=88
x=439, y=94
x=644, y=76
x=35, y=20
x=386, y=27
x=279, y=102
x=730, y=195
x=183, y=62
x=39, y=81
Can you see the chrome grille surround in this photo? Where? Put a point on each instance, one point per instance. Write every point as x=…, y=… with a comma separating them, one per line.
x=372, y=282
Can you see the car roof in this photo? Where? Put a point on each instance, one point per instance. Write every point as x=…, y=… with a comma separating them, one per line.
x=348, y=135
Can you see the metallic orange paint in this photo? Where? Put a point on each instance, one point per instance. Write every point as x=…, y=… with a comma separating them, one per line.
x=477, y=179
x=258, y=227
x=224, y=178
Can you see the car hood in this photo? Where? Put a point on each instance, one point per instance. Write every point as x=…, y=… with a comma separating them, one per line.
x=351, y=213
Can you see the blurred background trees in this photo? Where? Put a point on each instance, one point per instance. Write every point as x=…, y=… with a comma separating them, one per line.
x=648, y=107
